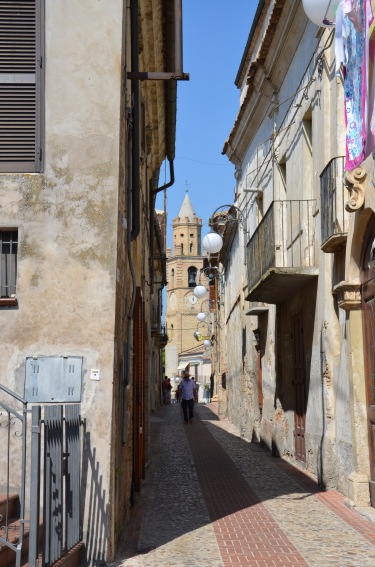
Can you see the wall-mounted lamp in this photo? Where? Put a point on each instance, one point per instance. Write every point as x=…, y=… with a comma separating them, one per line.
x=204, y=311
x=221, y=218
x=321, y=12
x=212, y=242
x=200, y=291
x=211, y=273
x=199, y=336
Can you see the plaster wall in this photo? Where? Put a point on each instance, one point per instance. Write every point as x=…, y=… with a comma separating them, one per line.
x=311, y=134
x=67, y=225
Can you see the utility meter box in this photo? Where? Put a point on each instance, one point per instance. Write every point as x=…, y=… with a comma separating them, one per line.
x=52, y=379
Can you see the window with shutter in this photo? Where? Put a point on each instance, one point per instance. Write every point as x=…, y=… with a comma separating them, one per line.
x=21, y=85
x=8, y=266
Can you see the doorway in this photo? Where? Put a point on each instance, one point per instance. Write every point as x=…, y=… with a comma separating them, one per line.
x=368, y=307
x=299, y=383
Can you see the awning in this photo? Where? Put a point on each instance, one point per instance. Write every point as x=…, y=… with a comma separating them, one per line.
x=181, y=366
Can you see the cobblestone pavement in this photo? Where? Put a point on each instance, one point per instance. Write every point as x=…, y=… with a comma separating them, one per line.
x=211, y=499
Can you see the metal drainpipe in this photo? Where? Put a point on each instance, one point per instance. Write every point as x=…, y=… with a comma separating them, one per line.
x=135, y=205
x=172, y=179
x=174, y=61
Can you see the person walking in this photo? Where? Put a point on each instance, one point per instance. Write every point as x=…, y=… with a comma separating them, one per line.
x=164, y=386
x=187, y=388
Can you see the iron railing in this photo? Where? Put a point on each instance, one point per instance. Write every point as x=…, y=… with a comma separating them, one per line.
x=285, y=238
x=13, y=428
x=51, y=475
x=334, y=218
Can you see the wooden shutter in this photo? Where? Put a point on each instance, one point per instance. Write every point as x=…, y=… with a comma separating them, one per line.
x=21, y=66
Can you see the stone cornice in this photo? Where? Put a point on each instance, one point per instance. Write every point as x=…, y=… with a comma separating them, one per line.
x=355, y=183
x=258, y=62
x=348, y=295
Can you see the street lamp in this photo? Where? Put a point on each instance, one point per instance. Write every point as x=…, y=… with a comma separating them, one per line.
x=321, y=12
x=200, y=291
x=204, y=311
x=212, y=273
x=212, y=242
x=222, y=217
x=198, y=334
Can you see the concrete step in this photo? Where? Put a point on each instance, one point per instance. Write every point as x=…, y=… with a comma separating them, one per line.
x=13, y=506
x=72, y=558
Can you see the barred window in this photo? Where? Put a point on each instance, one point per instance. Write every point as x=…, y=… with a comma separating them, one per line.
x=8, y=266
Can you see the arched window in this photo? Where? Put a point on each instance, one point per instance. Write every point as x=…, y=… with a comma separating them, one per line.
x=172, y=277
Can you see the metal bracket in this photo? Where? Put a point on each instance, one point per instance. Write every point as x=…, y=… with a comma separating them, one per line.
x=163, y=76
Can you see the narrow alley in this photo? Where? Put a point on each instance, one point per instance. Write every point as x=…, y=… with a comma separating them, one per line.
x=211, y=499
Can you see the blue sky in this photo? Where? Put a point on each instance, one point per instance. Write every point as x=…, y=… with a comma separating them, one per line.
x=215, y=33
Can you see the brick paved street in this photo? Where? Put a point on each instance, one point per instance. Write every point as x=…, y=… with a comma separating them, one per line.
x=210, y=499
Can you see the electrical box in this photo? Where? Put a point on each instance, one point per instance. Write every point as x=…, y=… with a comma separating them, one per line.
x=53, y=379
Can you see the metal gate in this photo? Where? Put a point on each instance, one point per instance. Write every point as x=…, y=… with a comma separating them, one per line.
x=47, y=477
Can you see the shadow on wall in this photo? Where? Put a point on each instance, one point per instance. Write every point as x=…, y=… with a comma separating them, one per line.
x=94, y=506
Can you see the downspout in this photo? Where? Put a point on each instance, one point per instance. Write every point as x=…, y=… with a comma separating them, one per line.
x=174, y=61
x=135, y=201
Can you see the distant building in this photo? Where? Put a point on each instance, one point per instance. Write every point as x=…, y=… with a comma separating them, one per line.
x=184, y=262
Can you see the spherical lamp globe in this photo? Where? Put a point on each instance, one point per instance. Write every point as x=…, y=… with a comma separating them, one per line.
x=212, y=242
x=201, y=316
x=207, y=343
x=200, y=291
x=321, y=12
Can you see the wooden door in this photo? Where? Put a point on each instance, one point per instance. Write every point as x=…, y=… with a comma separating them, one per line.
x=368, y=306
x=299, y=382
x=260, y=384
x=138, y=393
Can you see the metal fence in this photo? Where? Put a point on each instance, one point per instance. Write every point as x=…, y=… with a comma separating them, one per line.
x=285, y=238
x=50, y=474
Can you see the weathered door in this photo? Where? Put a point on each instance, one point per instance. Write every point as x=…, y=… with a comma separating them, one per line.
x=299, y=382
x=139, y=388
x=368, y=306
x=260, y=384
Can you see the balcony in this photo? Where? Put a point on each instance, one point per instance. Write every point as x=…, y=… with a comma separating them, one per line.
x=281, y=255
x=161, y=337
x=335, y=219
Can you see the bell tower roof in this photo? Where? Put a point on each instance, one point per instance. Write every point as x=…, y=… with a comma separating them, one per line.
x=187, y=208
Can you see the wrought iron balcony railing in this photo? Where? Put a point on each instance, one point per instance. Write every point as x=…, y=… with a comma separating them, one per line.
x=285, y=240
x=161, y=336
x=334, y=217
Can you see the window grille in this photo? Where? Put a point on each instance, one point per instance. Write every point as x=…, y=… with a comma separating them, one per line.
x=8, y=266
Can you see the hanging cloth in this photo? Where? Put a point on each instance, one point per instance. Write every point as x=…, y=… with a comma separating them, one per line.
x=341, y=49
x=371, y=73
x=355, y=85
x=352, y=9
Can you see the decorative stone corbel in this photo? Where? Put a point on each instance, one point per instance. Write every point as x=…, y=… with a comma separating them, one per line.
x=355, y=183
x=348, y=295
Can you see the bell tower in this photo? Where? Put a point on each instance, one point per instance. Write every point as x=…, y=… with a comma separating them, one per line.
x=184, y=262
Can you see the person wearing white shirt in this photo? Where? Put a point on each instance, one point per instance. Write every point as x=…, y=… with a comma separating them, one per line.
x=187, y=388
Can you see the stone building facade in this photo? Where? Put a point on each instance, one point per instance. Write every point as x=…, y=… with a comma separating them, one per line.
x=83, y=257
x=296, y=373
